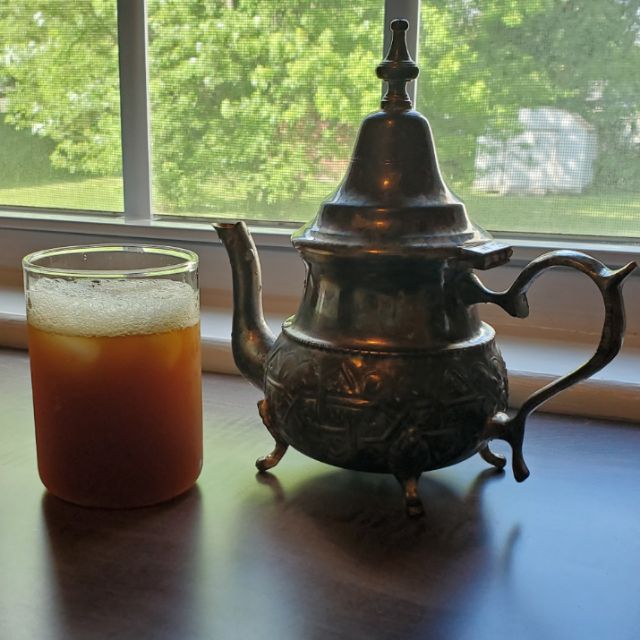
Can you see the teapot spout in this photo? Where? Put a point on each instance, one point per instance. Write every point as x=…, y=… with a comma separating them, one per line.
x=251, y=338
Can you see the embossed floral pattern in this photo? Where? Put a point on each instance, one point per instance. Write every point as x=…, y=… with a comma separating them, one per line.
x=384, y=412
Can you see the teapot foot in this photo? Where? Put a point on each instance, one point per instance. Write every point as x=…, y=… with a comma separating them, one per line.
x=265, y=463
x=412, y=502
x=495, y=459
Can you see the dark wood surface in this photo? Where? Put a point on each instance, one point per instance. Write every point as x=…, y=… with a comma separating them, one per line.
x=313, y=552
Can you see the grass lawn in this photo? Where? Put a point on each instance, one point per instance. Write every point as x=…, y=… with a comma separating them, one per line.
x=28, y=179
x=588, y=214
x=592, y=214
x=99, y=194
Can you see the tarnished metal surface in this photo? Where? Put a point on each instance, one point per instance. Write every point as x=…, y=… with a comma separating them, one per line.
x=386, y=366
x=252, y=338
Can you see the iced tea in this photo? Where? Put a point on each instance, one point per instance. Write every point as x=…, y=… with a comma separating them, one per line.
x=115, y=368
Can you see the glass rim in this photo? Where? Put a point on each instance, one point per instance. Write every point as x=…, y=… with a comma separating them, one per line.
x=189, y=261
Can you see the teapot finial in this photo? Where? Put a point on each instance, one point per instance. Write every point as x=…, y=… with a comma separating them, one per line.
x=397, y=69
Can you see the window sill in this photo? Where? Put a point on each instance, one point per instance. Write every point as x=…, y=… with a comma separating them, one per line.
x=561, y=332
x=532, y=362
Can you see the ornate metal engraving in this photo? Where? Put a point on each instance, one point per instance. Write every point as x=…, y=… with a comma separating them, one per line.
x=384, y=412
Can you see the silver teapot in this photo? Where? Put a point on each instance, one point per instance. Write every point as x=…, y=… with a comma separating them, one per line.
x=386, y=366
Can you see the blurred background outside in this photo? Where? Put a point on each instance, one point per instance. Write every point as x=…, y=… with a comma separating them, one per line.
x=255, y=104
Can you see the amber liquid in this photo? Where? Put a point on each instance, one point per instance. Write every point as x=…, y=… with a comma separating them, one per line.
x=118, y=419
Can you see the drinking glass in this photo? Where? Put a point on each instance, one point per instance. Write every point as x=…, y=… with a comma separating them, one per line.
x=114, y=347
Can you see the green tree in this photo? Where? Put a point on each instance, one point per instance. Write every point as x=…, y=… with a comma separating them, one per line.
x=59, y=75
x=483, y=60
x=258, y=95
x=260, y=100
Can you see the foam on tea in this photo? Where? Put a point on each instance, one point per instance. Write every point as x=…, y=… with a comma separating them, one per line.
x=107, y=307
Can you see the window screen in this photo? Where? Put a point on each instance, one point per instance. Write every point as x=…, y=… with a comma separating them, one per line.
x=255, y=104
x=59, y=105
x=535, y=107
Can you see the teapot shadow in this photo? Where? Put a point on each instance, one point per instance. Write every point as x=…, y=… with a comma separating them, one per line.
x=363, y=515
x=426, y=574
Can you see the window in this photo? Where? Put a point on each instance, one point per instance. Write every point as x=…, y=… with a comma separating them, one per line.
x=254, y=106
x=59, y=106
x=536, y=109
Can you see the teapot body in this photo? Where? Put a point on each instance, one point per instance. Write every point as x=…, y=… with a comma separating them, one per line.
x=401, y=413
x=384, y=367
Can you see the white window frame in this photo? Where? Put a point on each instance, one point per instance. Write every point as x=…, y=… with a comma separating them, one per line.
x=567, y=310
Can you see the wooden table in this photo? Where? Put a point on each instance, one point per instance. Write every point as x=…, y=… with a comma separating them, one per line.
x=313, y=552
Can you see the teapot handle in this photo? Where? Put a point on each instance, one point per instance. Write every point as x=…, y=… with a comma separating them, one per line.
x=514, y=301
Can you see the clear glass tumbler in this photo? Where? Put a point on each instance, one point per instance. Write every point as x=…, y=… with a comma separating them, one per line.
x=114, y=345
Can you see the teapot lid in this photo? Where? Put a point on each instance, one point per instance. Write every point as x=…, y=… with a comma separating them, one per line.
x=393, y=199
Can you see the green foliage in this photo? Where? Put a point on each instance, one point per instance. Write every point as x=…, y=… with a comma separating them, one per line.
x=485, y=59
x=257, y=94
x=24, y=158
x=265, y=97
x=59, y=70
